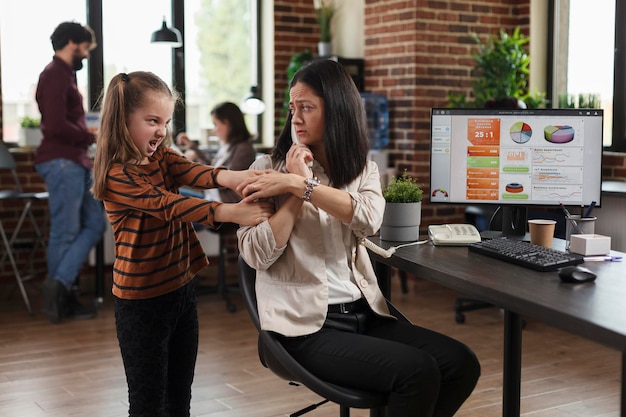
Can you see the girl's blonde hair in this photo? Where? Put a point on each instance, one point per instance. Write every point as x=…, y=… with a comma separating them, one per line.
x=126, y=93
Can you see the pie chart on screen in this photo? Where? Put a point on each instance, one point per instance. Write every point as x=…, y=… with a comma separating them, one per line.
x=559, y=134
x=521, y=132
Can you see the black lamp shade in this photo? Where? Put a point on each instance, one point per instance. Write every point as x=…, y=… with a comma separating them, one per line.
x=167, y=36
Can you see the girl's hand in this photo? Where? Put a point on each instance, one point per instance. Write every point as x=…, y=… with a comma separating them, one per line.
x=244, y=214
x=298, y=160
x=270, y=184
x=232, y=179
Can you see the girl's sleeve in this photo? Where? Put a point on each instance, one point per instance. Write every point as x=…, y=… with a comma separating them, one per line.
x=131, y=190
x=188, y=173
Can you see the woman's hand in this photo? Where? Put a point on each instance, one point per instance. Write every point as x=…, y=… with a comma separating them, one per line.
x=298, y=160
x=182, y=140
x=270, y=184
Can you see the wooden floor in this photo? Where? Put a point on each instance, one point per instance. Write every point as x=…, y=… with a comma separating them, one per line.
x=74, y=368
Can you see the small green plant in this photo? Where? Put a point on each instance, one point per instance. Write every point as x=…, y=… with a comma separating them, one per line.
x=403, y=189
x=32, y=122
x=324, y=14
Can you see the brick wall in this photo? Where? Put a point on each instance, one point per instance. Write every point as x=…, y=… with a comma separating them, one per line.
x=416, y=53
x=613, y=166
x=295, y=30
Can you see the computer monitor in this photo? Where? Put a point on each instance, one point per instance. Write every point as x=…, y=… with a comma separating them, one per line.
x=516, y=159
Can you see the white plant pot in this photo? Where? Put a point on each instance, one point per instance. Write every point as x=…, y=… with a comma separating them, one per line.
x=324, y=48
x=401, y=222
x=29, y=137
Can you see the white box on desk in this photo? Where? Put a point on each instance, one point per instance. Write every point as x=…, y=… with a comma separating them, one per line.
x=590, y=245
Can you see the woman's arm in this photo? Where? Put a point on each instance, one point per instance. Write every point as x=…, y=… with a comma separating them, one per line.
x=183, y=140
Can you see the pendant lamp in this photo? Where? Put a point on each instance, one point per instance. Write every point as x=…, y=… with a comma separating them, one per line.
x=252, y=103
x=167, y=36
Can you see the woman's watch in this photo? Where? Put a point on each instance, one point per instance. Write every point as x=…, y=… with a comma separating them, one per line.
x=311, y=183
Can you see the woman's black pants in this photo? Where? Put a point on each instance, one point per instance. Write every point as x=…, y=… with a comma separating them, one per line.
x=426, y=374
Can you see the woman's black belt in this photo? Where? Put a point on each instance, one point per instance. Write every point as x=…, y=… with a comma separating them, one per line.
x=346, y=308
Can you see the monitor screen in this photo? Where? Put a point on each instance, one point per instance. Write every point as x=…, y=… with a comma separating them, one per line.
x=516, y=157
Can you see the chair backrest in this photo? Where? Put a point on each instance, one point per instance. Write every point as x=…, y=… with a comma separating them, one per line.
x=7, y=162
x=276, y=358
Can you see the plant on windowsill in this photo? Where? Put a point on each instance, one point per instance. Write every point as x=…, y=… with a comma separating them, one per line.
x=502, y=70
x=403, y=209
x=324, y=14
x=30, y=132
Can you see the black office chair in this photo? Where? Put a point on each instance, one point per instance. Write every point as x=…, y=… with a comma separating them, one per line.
x=14, y=242
x=276, y=358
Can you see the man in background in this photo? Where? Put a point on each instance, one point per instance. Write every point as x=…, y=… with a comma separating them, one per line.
x=76, y=219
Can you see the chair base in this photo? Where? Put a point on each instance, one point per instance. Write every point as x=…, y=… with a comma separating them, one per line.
x=344, y=411
x=464, y=304
x=221, y=287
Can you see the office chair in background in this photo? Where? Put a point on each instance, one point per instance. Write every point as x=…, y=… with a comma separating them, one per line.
x=277, y=359
x=221, y=287
x=15, y=243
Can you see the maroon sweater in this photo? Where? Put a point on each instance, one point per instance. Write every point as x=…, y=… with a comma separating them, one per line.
x=63, y=123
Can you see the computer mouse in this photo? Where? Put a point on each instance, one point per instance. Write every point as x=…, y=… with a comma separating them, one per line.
x=576, y=274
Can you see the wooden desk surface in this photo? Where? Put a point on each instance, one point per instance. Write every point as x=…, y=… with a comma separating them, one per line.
x=595, y=310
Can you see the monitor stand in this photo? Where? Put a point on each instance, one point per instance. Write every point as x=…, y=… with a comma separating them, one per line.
x=514, y=224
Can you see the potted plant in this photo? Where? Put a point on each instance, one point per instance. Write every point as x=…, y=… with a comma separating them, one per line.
x=502, y=70
x=30, y=133
x=324, y=14
x=403, y=209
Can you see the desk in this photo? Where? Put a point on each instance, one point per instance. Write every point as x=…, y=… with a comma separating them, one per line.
x=594, y=310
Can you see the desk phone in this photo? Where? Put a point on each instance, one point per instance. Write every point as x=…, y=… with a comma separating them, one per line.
x=453, y=234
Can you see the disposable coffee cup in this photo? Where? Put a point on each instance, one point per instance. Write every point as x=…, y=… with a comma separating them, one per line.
x=92, y=120
x=577, y=225
x=541, y=231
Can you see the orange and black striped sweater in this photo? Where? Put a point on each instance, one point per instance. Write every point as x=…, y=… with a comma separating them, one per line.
x=156, y=248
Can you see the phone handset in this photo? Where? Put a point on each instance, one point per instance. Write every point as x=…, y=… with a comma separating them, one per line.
x=386, y=253
x=294, y=139
x=294, y=135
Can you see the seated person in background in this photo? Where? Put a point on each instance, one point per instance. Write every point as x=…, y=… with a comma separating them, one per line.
x=315, y=285
x=235, y=152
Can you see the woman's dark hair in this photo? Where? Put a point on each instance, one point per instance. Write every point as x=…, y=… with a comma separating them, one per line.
x=230, y=113
x=345, y=125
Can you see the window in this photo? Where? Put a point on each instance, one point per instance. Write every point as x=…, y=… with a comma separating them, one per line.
x=126, y=43
x=584, y=57
x=26, y=50
x=220, y=60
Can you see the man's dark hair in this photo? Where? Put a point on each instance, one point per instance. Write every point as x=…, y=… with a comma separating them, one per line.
x=72, y=31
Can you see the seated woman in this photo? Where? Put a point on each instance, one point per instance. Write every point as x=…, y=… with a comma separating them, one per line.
x=315, y=284
x=236, y=151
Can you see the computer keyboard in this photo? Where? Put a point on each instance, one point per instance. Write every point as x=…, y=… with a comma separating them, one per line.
x=525, y=254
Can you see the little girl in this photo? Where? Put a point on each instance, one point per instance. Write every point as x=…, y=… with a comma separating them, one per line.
x=157, y=253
